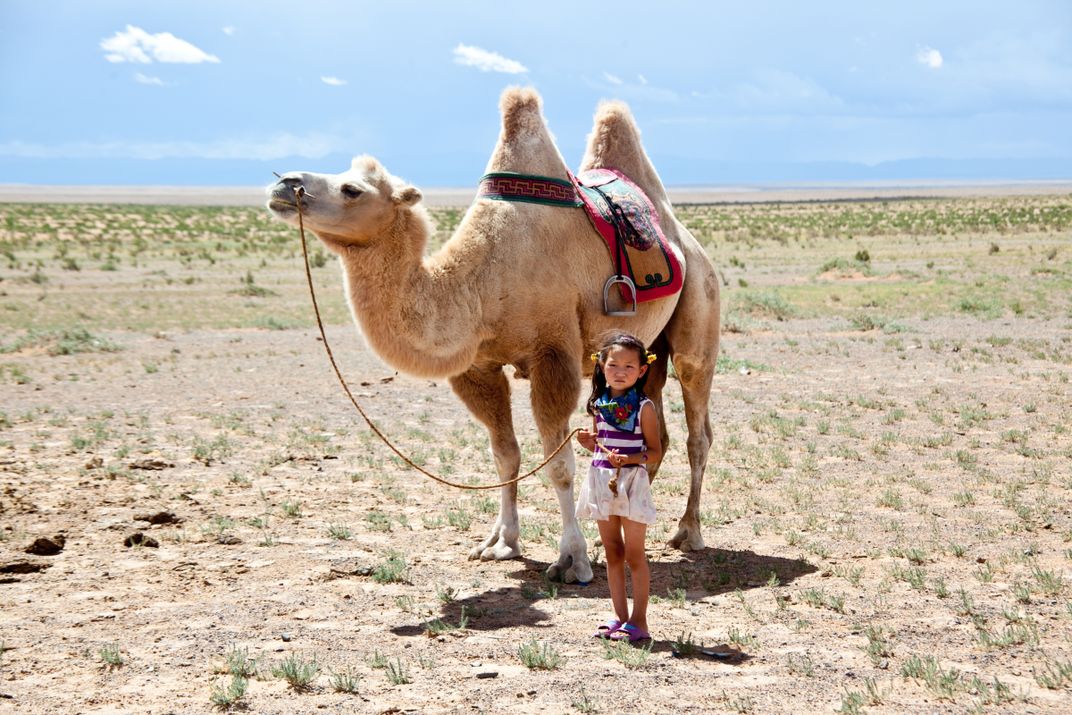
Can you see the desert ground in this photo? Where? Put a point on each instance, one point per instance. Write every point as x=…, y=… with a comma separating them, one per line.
x=193, y=519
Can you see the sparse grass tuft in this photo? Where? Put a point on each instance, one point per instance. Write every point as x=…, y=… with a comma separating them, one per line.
x=396, y=673
x=228, y=696
x=631, y=656
x=945, y=684
x=111, y=657
x=537, y=656
x=239, y=663
x=684, y=645
x=1055, y=675
x=339, y=532
x=393, y=570
x=62, y=342
x=298, y=672
x=345, y=681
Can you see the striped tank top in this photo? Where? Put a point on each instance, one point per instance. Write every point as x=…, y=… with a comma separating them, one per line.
x=610, y=438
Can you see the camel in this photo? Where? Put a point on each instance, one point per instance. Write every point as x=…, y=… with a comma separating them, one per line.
x=518, y=284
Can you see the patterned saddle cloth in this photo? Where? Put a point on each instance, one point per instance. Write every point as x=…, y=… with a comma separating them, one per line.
x=620, y=212
x=624, y=216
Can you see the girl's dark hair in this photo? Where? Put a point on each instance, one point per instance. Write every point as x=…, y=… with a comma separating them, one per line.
x=599, y=380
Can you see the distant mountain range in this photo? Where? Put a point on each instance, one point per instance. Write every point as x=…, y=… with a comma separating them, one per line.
x=464, y=170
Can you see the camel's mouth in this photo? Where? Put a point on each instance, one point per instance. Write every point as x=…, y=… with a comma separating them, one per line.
x=281, y=206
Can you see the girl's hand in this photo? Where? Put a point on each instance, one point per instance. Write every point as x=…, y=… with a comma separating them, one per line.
x=587, y=440
x=618, y=460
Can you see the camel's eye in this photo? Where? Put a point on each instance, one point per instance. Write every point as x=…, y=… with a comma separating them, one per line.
x=350, y=191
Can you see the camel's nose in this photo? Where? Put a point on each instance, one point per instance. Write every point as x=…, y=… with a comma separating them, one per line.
x=291, y=180
x=287, y=186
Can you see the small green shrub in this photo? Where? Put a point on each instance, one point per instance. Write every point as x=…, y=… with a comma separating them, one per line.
x=298, y=672
x=539, y=657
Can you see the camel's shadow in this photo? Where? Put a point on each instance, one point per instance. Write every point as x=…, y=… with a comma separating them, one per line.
x=675, y=576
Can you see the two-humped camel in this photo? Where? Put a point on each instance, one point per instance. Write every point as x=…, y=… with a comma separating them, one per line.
x=517, y=284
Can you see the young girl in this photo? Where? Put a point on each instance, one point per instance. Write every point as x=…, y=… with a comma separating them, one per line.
x=624, y=439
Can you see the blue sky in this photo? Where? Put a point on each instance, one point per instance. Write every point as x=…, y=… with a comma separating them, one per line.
x=222, y=93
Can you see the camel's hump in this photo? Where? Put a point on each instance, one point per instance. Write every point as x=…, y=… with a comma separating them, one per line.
x=520, y=107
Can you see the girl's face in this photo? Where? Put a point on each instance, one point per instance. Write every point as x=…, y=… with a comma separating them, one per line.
x=622, y=367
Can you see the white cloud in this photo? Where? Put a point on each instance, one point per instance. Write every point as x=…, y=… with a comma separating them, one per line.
x=642, y=79
x=486, y=61
x=612, y=78
x=333, y=81
x=136, y=45
x=313, y=145
x=229, y=30
x=146, y=79
x=930, y=57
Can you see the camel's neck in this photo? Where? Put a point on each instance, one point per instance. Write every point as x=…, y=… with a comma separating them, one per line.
x=420, y=316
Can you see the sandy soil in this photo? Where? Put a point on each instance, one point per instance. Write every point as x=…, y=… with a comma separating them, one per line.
x=216, y=581
x=887, y=514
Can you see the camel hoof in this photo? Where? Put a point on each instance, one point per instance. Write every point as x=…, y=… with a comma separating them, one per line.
x=687, y=539
x=571, y=571
x=561, y=575
x=580, y=573
x=500, y=552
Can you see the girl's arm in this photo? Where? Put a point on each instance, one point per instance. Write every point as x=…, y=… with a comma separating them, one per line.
x=649, y=425
x=588, y=439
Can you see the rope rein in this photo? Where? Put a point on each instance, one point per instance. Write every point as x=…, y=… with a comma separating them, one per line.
x=299, y=192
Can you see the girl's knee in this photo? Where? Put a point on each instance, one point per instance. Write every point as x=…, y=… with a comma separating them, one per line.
x=636, y=561
x=615, y=551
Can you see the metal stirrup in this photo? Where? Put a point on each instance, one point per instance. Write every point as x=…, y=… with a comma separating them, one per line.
x=619, y=280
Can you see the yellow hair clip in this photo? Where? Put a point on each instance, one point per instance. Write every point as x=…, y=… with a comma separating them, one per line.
x=594, y=357
x=652, y=357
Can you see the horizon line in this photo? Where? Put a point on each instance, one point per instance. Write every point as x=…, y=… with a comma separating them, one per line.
x=443, y=196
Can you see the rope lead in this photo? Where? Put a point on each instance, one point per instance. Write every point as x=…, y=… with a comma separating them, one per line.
x=299, y=192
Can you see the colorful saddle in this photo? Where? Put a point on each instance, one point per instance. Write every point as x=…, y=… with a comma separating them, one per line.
x=620, y=212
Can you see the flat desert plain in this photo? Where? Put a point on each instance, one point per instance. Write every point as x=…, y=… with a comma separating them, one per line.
x=192, y=517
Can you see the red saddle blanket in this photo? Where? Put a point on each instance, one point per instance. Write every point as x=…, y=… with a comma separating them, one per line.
x=615, y=205
x=620, y=212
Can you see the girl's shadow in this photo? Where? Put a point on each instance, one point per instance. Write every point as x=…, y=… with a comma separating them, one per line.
x=684, y=576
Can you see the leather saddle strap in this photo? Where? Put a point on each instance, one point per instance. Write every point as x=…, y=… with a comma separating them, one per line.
x=622, y=227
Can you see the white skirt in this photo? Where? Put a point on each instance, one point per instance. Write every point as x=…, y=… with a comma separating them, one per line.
x=633, y=502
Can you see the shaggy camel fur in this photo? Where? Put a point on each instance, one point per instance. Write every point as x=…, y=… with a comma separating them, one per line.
x=517, y=284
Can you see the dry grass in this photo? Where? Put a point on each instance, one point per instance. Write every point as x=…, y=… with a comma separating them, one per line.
x=885, y=508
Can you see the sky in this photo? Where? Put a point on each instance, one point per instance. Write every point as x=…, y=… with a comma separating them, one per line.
x=222, y=93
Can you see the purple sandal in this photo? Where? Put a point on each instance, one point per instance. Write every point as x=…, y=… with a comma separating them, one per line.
x=605, y=630
x=631, y=633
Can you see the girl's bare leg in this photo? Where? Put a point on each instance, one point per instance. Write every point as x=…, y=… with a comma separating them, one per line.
x=640, y=575
x=610, y=532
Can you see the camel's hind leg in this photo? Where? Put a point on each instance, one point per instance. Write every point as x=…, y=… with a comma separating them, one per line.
x=693, y=337
x=555, y=378
x=486, y=392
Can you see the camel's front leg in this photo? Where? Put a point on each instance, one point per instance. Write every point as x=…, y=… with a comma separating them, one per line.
x=486, y=392
x=555, y=387
x=573, y=564
x=503, y=541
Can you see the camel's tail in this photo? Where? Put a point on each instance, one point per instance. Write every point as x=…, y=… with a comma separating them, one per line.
x=615, y=144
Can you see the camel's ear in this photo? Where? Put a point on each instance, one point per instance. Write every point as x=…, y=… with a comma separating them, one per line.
x=407, y=196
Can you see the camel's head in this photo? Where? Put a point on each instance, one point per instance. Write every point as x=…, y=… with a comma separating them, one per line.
x=348, y=209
